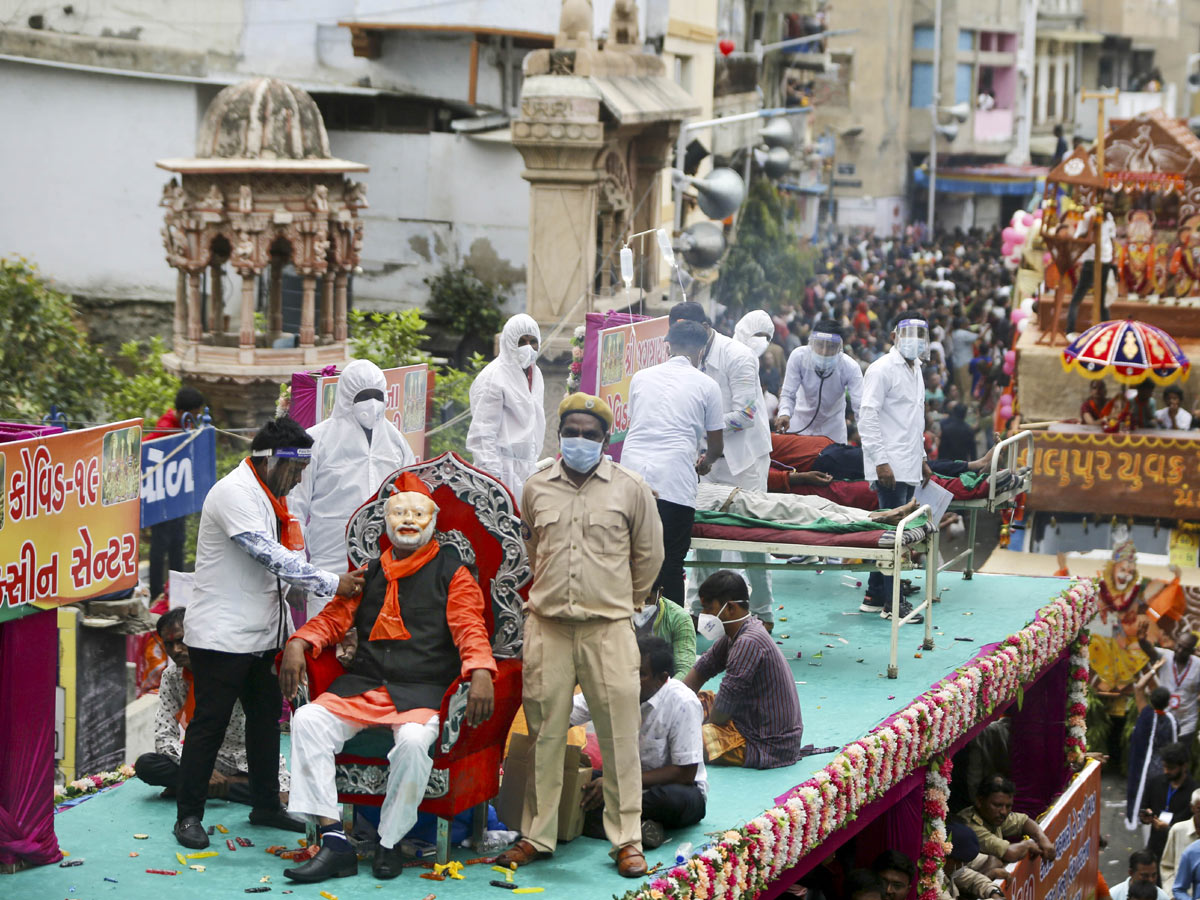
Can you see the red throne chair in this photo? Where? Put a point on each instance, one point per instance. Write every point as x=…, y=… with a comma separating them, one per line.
x=478, y=518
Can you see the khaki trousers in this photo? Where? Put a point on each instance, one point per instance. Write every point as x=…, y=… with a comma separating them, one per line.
x=602, y=658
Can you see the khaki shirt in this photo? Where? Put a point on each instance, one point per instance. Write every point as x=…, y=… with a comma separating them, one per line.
x=595, y=550
x=995, y=841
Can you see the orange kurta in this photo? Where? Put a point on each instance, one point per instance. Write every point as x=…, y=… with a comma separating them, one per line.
x=464, y=616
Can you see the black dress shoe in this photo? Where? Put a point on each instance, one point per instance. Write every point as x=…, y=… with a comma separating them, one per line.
x=388, y=862
x=190, y=833
x=277, y=818
x=326, y=864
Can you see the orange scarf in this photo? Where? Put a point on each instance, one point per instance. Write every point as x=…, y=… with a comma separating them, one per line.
x=389, y=625
x=290, y=534
x=184, y=715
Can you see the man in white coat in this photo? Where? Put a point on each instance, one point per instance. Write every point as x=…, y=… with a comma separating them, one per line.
x=508, y=418
x=353, y=451
x=818, y=379
x=891, y=426
x=747, y=451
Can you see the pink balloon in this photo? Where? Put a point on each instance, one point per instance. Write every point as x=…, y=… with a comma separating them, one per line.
x=1026, y=220
x=1010, y=234
x=1037, y=213
x=1047, y=259
x=1006, y=403
x=1017, y=315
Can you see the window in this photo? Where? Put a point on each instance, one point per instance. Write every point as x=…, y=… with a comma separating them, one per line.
x=964, y=83
x=922, y=85
x=966, y=39
x=683, y=72
x=923, y=38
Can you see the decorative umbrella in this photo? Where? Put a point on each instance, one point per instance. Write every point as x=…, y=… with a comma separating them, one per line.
x=1129, y=350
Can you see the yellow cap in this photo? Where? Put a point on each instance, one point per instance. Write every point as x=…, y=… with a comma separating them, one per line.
x=586, y=403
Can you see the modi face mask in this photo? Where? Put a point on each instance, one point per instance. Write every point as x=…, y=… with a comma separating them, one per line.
x=825, y=349
x=912, y=338
x=410, y=518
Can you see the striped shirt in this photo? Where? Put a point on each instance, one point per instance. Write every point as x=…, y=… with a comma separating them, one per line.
x=758, y=691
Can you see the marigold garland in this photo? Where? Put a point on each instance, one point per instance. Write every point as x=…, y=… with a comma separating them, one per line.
x=744, y=861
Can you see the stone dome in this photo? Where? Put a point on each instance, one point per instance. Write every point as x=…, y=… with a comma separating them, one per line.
x=263, y=118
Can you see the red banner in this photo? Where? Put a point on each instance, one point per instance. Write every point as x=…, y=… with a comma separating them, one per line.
x=1073, y=824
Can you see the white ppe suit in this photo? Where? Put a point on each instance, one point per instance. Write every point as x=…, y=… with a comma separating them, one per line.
x=508, y=418
x=345, y=470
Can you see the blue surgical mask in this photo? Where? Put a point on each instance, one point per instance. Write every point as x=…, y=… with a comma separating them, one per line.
x=823, y=365
x=909, y=347
x=580, y=454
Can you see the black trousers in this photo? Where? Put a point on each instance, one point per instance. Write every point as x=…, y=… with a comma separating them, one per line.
x=166, y=552
x=879, y=586
x=160, y=770
x=677, y=540
x=1087, y=274
x=671, y=805
x=221, y=679
x=845, y=463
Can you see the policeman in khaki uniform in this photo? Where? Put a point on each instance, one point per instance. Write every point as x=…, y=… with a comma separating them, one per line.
x=595, y=546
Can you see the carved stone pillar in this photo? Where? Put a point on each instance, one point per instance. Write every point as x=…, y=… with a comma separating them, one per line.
x=339, y=307
x=275, y=298
x=216, y=300
x=308, y=311
x=195, y=330
x=180, y=309
x=560, y=137
x=246, y=330
x=327, y=306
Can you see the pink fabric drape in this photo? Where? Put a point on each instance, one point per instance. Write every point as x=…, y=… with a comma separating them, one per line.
x=28, y=674
x=1037, y=758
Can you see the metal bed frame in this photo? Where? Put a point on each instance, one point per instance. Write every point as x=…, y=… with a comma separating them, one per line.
x=1008, y=451
x=889, y=560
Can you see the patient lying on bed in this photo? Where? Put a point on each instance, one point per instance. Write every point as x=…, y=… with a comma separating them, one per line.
x=790, y=509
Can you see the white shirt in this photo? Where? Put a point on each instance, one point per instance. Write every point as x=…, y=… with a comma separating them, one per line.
x=891, y=420
x=236, y=605
x=1183, y=419
x=670, y=733
x=802, y=386
x=747, y=432
x=1108, y=233
x=671, y=406
x=1121, y=891
x=1184, y=685
x=1178, y=838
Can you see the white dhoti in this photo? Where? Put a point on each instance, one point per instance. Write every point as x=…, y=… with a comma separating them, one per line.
x=751, y=479
x=317, y=734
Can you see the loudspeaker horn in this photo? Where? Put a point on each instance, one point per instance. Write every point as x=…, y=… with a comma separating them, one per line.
x=720, y=193
x=702, y=244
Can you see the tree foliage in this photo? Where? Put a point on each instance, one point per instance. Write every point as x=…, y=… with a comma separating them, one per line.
x=45, y=357
x=388, y=339
x=142, y=386
x=468, y=306
x=765, y=266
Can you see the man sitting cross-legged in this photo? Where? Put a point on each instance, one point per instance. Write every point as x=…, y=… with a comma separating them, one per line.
x=176, y=706
x=754, y=719
x=674, y=784
x=420, y=624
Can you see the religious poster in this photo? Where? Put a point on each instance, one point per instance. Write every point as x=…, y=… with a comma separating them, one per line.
x=403, y=404
x=70, y=515
x=1135, y=474
x=178, y=471
x=624, y=350
x=1073, y=825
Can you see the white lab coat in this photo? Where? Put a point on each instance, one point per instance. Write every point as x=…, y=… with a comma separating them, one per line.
x=891, y=420
x=747, y=457
x=508, y=416
x=802, y=386
x=345, y=471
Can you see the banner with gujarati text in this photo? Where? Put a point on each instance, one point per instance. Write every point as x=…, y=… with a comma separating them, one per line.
x=404, y=402
x=1116, y=474
x=69, y=516
x=624, y=350
x=178, y=471
x=1073, y=824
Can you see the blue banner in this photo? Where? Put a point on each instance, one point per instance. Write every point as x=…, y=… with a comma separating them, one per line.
x=177, y=473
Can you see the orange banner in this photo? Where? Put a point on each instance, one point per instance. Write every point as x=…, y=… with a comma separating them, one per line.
x=70, y=506
x=1073, y=824
x=1116, y=474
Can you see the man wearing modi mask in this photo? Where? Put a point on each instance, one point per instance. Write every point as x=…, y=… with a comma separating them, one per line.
x=421, y=625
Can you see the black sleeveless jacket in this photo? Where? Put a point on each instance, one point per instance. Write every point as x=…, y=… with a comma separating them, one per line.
x=418, y=671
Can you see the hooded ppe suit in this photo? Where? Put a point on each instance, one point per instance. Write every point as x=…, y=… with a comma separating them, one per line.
x=508, y=419
x=345, y=470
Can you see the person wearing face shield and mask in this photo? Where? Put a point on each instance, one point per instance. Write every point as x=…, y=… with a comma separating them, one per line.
x=352, y=452
x=819, y=378
x=891, y=426
x=248, y=546
x=508, y=418
x=595, y=546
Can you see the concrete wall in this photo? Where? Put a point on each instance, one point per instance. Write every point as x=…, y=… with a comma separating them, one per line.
x=82, y=192
x=437, y=199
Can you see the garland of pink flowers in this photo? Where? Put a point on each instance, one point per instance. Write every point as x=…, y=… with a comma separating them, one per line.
x=742, y=862
x=1077, y=701
x=936, y=843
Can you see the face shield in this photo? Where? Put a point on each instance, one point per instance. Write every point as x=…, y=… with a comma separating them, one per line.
x=912, y=339
x=826, y=348
x=285, y=467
